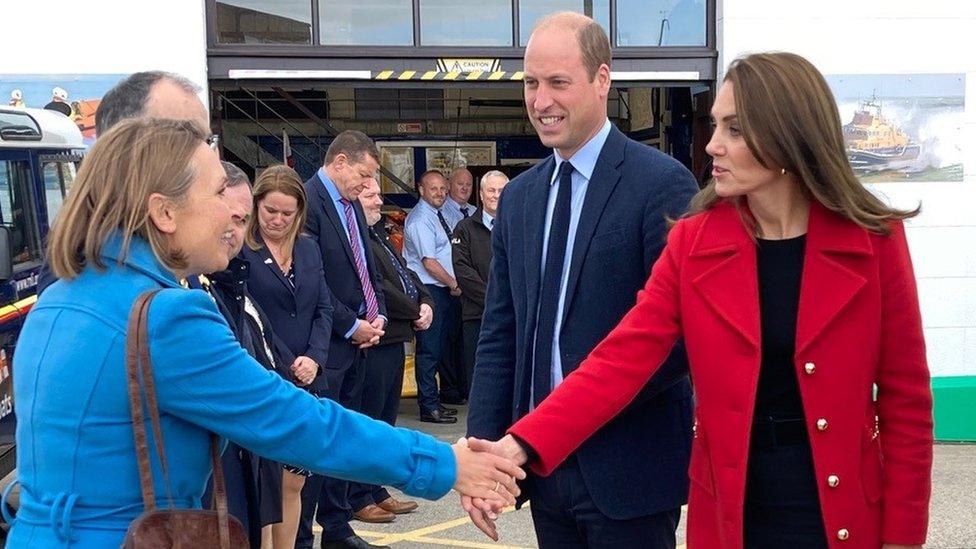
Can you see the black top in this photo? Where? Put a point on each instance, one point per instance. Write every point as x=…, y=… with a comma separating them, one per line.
x=780, y=264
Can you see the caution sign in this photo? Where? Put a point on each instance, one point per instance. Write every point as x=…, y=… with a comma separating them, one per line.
x=452, y=76
x=448, y=64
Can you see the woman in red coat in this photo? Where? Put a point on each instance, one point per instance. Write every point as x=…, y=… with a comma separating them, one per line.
x=793, y=289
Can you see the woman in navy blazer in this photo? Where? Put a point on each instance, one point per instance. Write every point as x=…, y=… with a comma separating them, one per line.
x=147, y=209
x=287, y=281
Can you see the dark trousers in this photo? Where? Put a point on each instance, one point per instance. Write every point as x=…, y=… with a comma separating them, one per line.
x=381, y=400
x=566, y=517
x=451, y=366
x=782, y=508
x=430, y=347
x=332, y=494
x=470, y=330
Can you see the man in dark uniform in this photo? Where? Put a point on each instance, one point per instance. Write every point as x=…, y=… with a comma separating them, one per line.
x=471, y=255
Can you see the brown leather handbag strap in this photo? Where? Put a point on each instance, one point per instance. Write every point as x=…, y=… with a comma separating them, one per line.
x=132, y=358
x=220, y=494
x=137, y=360
x=149, y=384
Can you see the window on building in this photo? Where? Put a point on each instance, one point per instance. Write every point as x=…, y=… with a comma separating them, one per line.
x=660, y=23
x=17, y=212
x=399, y=105
x=366, y=22
x=453, y=23
x=531, y=11
x=264, y=22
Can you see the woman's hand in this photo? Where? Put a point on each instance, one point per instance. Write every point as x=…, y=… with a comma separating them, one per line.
x=304, y=369
x=482, y=513
x=486, y=476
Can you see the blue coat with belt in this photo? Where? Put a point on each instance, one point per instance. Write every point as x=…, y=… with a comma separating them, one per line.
x=301, y=315
x=75, y=455
x=635, y=465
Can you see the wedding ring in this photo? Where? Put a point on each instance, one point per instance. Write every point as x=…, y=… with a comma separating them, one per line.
x=497, y=484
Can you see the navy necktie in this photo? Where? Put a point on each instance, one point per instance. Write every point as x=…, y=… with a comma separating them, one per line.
x=464, y=212
x=551, y=281
x=447, y=228
x=408, y=285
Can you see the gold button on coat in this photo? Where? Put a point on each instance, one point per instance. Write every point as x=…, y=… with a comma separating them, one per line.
x=809, y=368
x=843, y=534
x=821, y=424
x=833, y=481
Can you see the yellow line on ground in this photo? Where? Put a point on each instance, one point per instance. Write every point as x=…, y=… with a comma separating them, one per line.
x=463, y=543
x=407, y=536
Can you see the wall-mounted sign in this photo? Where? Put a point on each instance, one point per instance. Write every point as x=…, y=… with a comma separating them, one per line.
x=468, y=65
x=409, y=127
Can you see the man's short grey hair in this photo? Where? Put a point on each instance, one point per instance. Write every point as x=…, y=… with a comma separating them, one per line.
x=128, y=98
x=493, y=173
x=235, y=175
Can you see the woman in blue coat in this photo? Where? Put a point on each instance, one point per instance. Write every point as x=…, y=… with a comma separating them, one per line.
x=287, y=282
x=146, y=210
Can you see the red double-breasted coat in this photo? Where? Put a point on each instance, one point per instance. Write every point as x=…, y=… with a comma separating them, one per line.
x=860, y=362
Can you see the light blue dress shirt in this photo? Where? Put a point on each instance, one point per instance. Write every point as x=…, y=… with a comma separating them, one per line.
x=584, y=161
x=337, y=200
x=452, y=212
x=423, y=236
x=488, y=220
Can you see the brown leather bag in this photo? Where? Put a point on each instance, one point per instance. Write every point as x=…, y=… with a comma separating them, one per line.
x=168, y=528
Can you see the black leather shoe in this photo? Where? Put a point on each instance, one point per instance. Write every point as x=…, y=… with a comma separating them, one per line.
x=444, y=410
x=453, y=399
x=437, y=417
x=352, y=542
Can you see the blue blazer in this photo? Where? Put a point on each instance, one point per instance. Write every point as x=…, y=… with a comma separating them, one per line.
x=636, y=465
x=75, y=456
x=301, y=316
x=324, y=224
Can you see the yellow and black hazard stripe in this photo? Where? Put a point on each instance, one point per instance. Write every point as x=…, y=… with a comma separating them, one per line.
x=450, y=76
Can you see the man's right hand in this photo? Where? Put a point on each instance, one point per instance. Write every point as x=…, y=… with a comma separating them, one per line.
x=366, y=334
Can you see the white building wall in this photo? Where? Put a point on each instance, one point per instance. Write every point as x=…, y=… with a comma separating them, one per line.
x=104, y=37
x=894, y=37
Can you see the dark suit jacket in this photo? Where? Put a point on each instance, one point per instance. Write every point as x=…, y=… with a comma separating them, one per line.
x=635, y=465
x=471, y=255
x=401, y=310
x=301, y=316
x=324, y=224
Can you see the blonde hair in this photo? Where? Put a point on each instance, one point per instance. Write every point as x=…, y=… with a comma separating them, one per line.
x=133, y=160
x=790, y=121
x=278, y=178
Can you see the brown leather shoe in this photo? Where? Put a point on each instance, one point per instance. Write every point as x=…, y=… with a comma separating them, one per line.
x=397, y=507
x=372, y=513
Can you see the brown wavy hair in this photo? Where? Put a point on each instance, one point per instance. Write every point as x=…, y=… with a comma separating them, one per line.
x=278, y=178
x=790, y=121
x=130, y=162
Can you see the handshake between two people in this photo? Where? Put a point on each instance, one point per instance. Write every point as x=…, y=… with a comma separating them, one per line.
x=486, y=478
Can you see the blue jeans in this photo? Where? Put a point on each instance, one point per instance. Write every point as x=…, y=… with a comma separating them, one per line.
x=430, y=347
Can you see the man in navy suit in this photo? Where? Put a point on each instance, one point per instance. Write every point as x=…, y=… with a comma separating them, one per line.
x=573, y=242
x=335, y=220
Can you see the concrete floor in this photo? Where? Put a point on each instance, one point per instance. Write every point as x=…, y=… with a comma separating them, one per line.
x=952, y=522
